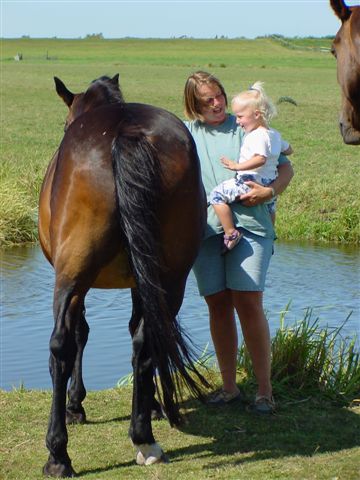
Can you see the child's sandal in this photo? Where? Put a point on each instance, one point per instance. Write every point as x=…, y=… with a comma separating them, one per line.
x=230, y=241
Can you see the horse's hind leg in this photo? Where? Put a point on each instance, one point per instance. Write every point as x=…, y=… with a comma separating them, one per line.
x=75, y=412
x=63, y=348
x=148, y=451
x=156, y=410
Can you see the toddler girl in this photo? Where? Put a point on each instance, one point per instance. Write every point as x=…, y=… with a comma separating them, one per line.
x=258, y=160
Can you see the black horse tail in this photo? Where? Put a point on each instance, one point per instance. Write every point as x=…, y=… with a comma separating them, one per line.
x=139, y=184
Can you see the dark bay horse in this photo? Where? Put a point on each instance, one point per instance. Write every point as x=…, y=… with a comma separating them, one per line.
x=122, y=205
x=346, y=48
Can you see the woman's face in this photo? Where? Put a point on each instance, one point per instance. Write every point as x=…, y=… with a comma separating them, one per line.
x=213, y=105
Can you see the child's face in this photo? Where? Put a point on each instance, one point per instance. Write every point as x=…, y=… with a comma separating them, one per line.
x=247, y=117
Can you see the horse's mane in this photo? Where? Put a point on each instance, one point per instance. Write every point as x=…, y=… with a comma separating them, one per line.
x=104, y=90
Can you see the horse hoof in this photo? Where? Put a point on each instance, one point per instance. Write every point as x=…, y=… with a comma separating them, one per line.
x=58, y=470
x=150, y=454
x=141, y=460
x=73, y=418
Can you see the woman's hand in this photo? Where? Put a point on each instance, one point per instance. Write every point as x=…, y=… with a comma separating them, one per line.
x=260, y=194
x=257, y=195
x=229, y=164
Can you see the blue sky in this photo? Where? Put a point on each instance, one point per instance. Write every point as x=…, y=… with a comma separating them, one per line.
x=167, y=18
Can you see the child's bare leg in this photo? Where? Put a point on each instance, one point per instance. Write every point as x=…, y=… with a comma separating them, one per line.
x=224, y=213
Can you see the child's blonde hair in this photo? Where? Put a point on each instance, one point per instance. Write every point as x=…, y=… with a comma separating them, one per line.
x=256, y=98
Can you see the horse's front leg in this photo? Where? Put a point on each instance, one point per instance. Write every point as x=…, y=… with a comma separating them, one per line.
x=148, y=450
x=62, y=357
x=75, y=412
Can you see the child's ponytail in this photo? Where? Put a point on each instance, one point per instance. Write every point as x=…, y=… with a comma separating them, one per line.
x=265, y=104
x=257, y=98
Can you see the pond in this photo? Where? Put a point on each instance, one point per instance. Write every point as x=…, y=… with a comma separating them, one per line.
x=325, y=279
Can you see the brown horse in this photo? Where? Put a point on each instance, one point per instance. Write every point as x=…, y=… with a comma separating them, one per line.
x=122, y=206
x=346, y=49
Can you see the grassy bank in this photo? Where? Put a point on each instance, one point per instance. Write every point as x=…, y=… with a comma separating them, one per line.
x=321, y=205
x=306, y=440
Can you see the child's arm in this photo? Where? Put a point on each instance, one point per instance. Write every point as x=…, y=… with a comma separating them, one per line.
x=229, y=164
x=254, y=162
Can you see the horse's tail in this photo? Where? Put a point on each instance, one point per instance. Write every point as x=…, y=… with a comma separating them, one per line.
x=138, y=182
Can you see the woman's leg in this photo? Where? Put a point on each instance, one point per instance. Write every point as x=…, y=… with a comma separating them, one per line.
x=256, y=333
x=224, y=335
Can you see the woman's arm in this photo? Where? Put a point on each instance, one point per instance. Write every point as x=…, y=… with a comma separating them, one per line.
x=260, y=194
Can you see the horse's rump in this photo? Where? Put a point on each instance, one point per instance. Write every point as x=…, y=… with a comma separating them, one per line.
x=84, y=181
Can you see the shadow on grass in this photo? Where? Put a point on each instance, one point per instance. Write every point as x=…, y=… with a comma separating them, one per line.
x=301, y=428
x=109, y=420
x=110, y=468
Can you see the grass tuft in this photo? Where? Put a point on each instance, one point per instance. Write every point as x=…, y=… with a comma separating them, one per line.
x=287, y=99
x=311, y=360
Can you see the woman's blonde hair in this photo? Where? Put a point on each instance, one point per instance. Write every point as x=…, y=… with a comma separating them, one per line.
x=192, y=100
x=257, y=99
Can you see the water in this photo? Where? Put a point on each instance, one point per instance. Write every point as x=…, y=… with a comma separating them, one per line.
x=326, y=279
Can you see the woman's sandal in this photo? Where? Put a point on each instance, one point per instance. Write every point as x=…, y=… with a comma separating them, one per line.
x=221, y=398
x=230, y=241
x=264, y=405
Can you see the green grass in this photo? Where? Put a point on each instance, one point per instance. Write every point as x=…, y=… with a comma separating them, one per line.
x=307, y=439
x=319, y=206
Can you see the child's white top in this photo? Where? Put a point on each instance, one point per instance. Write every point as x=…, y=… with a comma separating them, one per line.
x=265, y=142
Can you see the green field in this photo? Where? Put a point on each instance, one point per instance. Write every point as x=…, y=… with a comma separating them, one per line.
x=321, y=205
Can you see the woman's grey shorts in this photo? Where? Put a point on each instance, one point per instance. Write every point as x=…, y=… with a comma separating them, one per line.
x=243, y=268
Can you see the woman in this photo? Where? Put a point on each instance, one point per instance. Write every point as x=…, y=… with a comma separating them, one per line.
x=235, y=281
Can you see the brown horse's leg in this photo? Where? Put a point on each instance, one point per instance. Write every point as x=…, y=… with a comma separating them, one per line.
x=148, y=451
x=75, y=412
x=63, y=350
x=174, y=297
x=156, y=410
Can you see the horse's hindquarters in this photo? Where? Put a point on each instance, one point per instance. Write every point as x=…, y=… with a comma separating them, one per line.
x=116, y=274
x=183, y=219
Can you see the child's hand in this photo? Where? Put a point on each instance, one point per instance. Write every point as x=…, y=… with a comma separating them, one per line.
x=229, y=164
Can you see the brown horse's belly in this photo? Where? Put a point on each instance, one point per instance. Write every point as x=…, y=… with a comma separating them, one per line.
x=116, y=274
